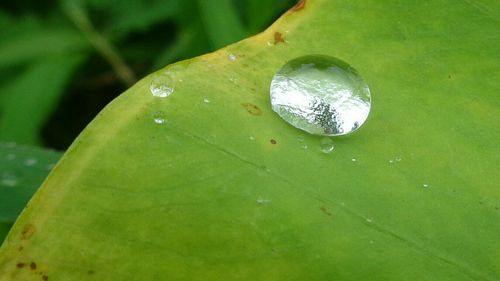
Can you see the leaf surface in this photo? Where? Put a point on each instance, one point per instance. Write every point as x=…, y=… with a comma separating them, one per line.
x=206, y=195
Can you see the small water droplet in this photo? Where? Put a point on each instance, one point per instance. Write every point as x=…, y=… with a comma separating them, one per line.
x=10, y=156
x=369, y=220
x=425, y=185
x=263, y=201
x=354, y=159
x=30, y=162
x=232, y=57
x=391, y=161
x=9, y=179
x=371, y=242
x=398, y=159
x=326, y=145
x=321, y=95
x=206, y=100
x=252, y=138
x=159, y=117
x=162, y=85
x=304, y=146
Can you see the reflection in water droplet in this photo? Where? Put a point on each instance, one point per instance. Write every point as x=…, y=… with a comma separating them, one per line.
x=206, y=100
x=252, y=138
x=354, y=159
x=425, y=185
x=162, y=85
x=320, y=95
x=9, y=179
x=30, y=162
x=159, y=117
x=232, y=57
x=326, y=145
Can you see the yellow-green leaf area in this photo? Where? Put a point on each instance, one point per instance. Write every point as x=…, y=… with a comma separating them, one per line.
x=223, y=189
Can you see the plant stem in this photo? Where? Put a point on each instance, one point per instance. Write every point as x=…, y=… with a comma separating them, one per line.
x=78, y=16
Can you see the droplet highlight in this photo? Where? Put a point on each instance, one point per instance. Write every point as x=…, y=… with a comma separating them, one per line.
x=232, y=57
x=162, y=85
x=321, y=95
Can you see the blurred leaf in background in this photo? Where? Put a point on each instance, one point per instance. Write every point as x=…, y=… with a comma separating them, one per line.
x=62, y=61
x=22, y=170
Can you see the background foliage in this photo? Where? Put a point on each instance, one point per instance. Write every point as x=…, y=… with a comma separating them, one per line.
x=62, y=61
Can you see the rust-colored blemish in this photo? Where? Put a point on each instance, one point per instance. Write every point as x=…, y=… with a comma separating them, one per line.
x=273, y=141
x=252, y=108
x=278, y=38
x=33, y=266
x=299, y=6
x=325, y=211
x=45, y=278
x=28, y=231
x=20, y=265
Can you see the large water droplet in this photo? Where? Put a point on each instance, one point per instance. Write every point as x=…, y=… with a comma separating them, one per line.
x=162, y=85
x=321, y=95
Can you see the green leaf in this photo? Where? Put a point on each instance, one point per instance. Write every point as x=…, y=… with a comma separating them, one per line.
x=28, y=100
x=22, y=170
x=206, y=195
x=222, y=23
x=260, y=13
x=28, y=39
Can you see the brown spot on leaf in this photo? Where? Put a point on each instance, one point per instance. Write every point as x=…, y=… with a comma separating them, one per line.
x=325, y=211
x=45, y=278
x=20, y=265
x=33, y=266
x=90, y=272
x=278, y=38
x=299, y=6
x=273, y=141
x=28, y=231
x=21, y=248
x=252, y=109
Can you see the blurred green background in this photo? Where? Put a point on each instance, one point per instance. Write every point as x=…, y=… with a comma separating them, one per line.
x=62, y=61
